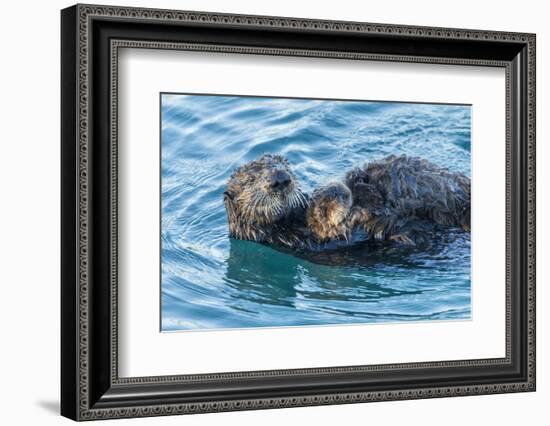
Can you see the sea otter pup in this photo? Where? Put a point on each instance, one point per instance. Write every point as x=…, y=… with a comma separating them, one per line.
x=398, y=199
x=329, y=212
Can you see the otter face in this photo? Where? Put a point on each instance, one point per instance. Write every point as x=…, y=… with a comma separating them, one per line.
x=259, y=194
x=328, y=211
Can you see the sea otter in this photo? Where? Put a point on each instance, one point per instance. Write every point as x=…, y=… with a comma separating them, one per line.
x=264, y=203
x=395, y=200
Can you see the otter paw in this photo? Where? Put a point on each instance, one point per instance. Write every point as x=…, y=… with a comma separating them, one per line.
x=402, y=239
x=358, y=216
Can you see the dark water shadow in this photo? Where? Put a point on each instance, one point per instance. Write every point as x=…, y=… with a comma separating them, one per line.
x=361, y=255
x=369, y=255
x=262, y=274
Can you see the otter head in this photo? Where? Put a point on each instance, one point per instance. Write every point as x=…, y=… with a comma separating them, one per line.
x=259, y=194
x=328, y=211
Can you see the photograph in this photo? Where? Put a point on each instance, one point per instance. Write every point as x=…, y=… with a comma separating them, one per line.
x=286, y=212
x=264, y=209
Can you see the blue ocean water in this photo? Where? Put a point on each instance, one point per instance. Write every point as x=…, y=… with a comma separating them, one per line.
x=209, y=281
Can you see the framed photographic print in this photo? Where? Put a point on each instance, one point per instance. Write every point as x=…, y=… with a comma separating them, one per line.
x=263, y=212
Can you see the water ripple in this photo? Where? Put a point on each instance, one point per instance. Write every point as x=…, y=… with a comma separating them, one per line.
x=210, y=281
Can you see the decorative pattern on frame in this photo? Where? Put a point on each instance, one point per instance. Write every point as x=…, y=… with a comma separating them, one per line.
x=115, y=46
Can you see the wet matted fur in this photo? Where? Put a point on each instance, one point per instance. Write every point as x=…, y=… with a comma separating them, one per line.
x=264, y=202
x=405, y=198
x=397, y=199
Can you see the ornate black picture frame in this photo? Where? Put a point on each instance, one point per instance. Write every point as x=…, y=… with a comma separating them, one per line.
x=90, y=38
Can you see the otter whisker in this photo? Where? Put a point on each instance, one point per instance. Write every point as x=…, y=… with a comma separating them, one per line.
x=290, y=200
x=295, y=199
x=258, y=202
x=275, y=206
x=247, y=211
x=251, y=208
x=302, y=198
x=264, y=207
x=278, y=207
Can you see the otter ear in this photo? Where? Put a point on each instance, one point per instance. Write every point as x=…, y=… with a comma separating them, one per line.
x=228, y=196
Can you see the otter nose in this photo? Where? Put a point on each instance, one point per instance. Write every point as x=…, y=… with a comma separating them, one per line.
x=280, y=179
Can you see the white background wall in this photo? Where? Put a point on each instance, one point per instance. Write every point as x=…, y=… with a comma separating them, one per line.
x=29, y=213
